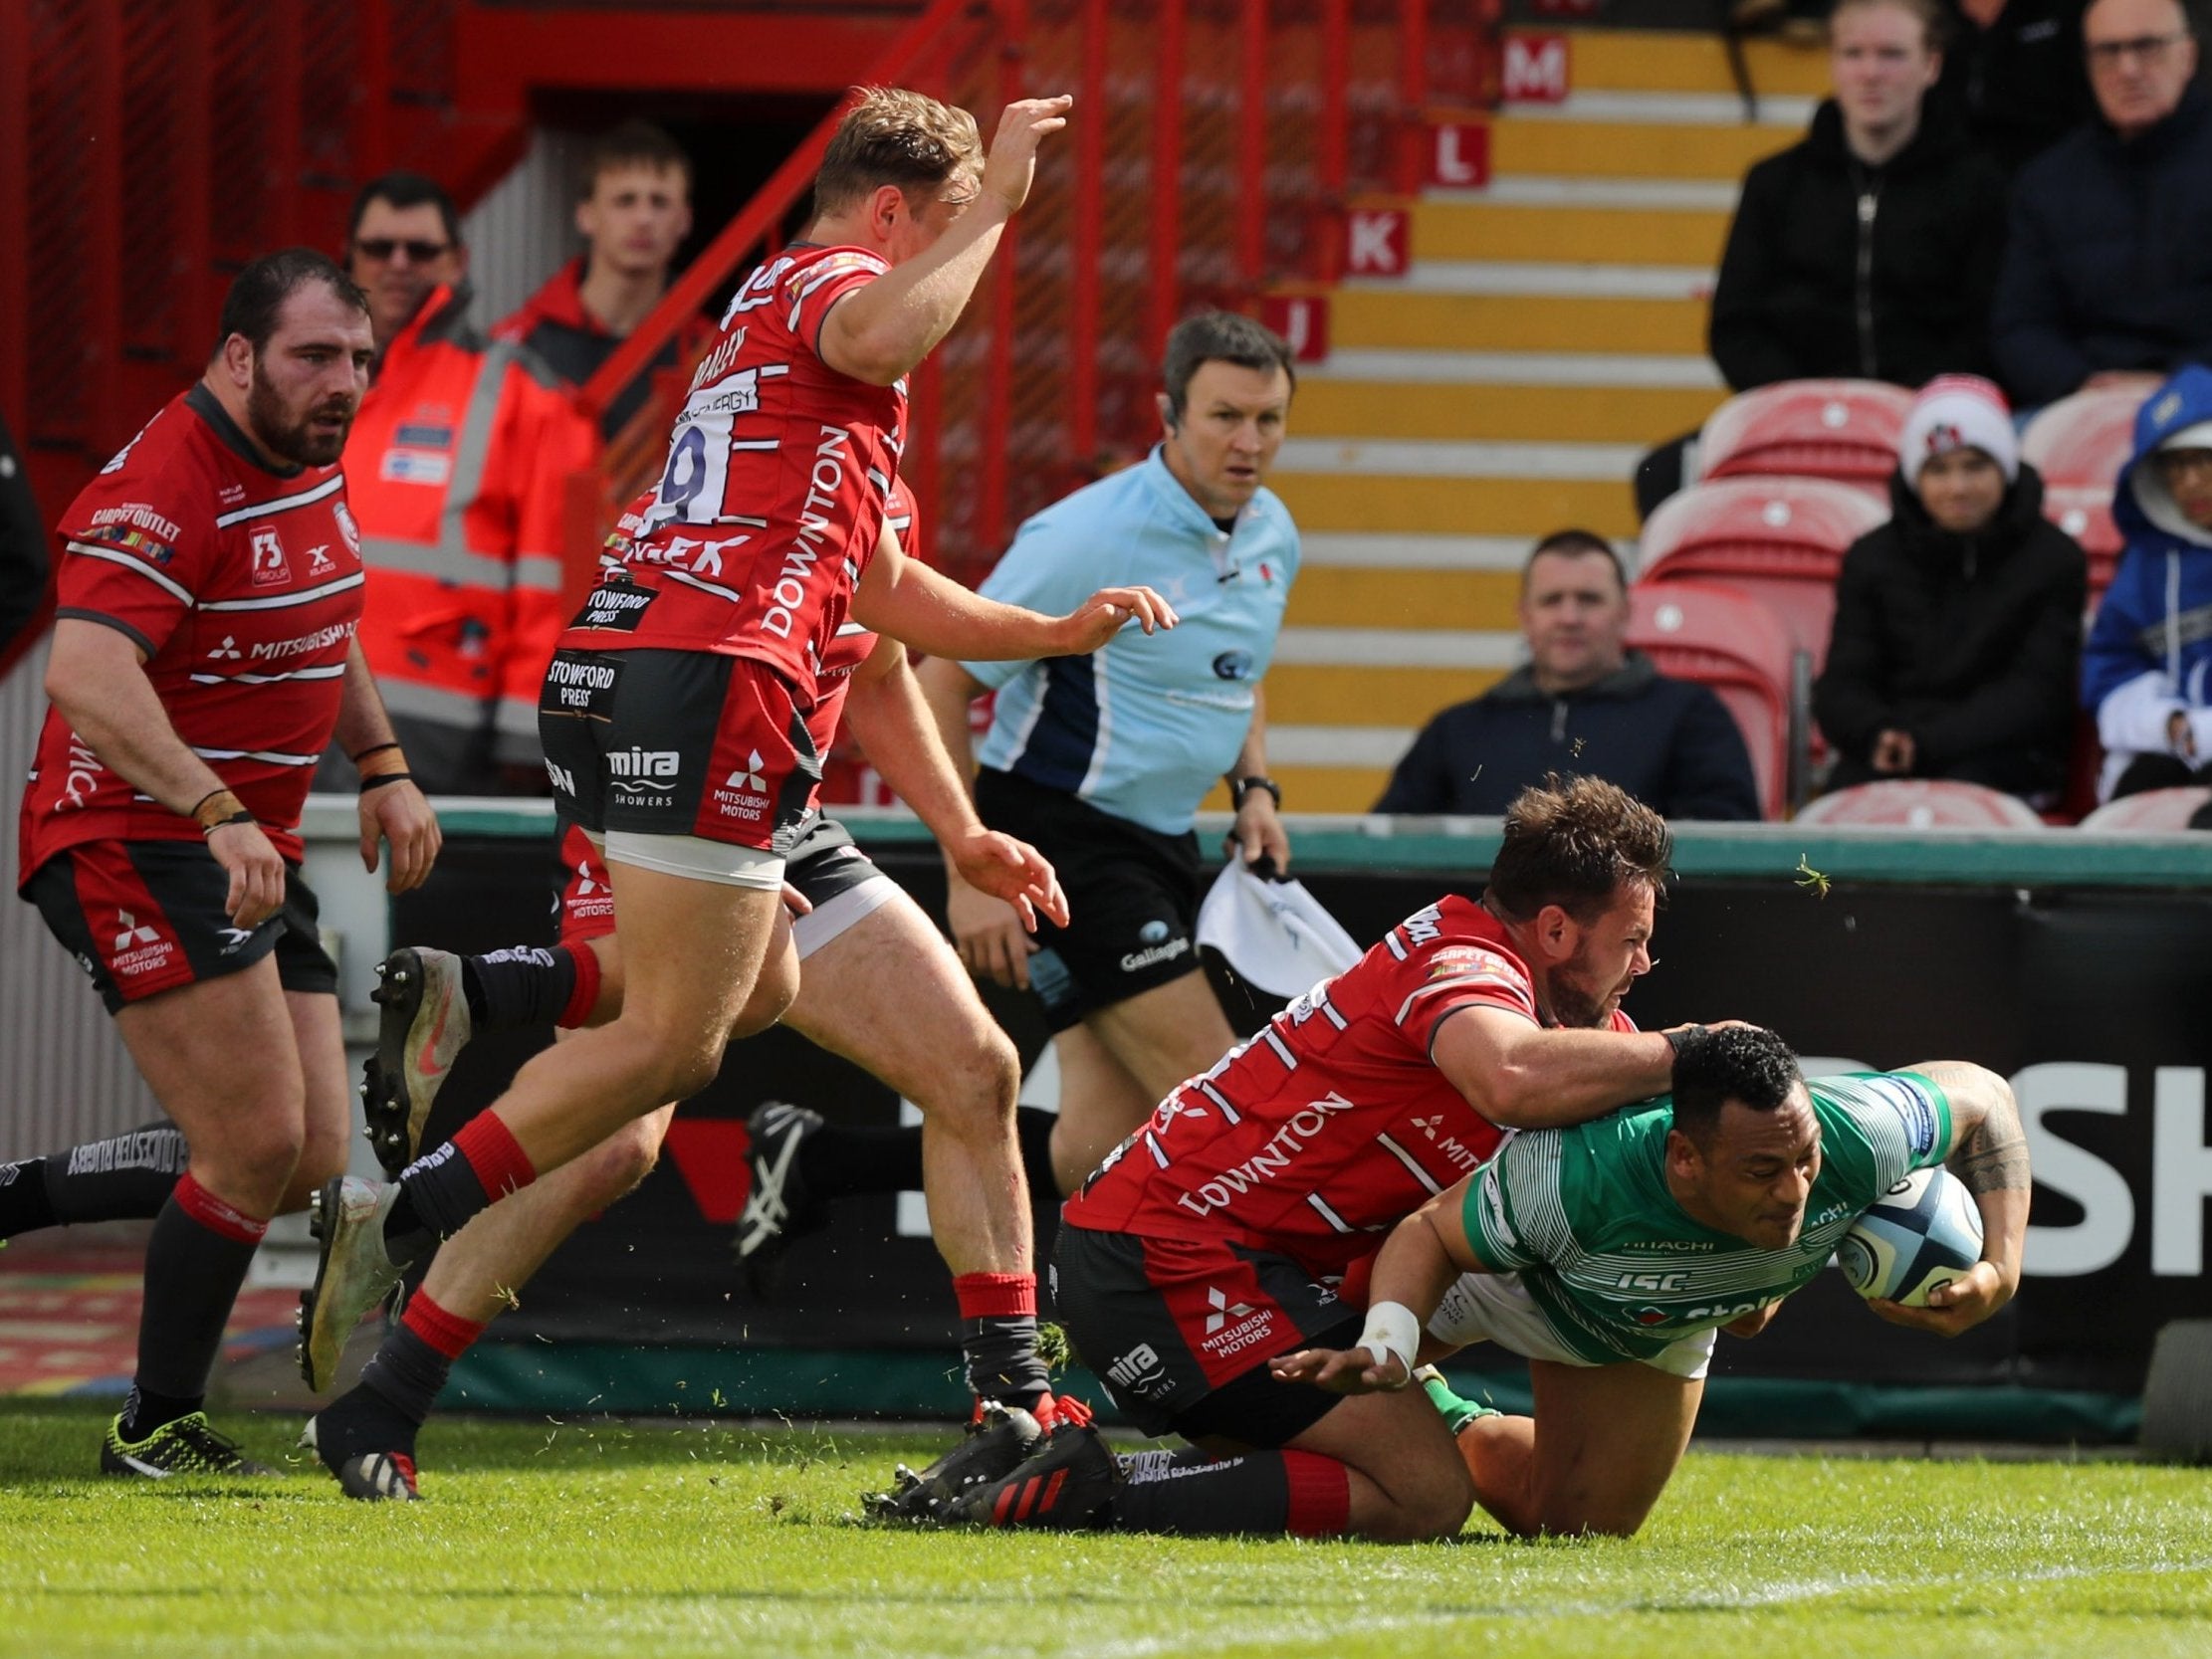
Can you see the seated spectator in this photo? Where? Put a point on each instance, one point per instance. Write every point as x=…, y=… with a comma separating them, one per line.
x=1585, y=703
x=1958, y=623
x=633, y=214
x=2011, y=76
x=2146, y=671
x=2107, y=274
x=1870, y=248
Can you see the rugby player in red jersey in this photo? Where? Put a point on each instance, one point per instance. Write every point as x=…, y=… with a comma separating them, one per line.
x=203, y=656
x=1217, y=1236
x=674, y=712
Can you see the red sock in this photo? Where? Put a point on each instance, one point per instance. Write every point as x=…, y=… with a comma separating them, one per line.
x=223, y=1219
x=1320, y=1495
x=995, y=1295
x=585, y=997
x=494, y=1155
x=449, y=1333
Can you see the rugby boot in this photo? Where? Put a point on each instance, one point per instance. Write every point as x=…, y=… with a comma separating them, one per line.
x=778, y=1207
x=996, y=1441
x=371, y=1476
x=1064, y=1485
x=189, y=1446
x=354, y=1273
x=424, y=1028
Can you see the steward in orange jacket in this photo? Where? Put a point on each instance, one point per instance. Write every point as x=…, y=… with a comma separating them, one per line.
x=457, y=470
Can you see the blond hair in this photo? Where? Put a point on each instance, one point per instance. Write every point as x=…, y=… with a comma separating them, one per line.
x=895, y=136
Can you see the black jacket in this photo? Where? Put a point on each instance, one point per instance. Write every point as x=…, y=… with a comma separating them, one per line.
x=1970, y=644
x=23, y=545
x=1668, y=742
x=1807, y=289
x=2110, y=261
x=2017, y=84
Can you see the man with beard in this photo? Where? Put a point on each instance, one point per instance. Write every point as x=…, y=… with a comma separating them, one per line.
x=458, y=469
x=1217, y=1236
x=203, y=656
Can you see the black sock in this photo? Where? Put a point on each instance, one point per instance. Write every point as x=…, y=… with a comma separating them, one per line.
x=1194, y=1493
x=1032, y=1128
x=838, y=1160
x=126, y=1178
x=519, y=987
x=1003, y=1362
x=192, y=1277
x=406, y=1373
x=24, y=1205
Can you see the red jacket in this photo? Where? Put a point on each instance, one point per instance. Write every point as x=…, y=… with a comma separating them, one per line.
x=457, y=470
x=569, y=340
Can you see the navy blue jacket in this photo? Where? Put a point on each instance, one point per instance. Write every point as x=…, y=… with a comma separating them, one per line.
x=2109, y=264
x=1668, y=742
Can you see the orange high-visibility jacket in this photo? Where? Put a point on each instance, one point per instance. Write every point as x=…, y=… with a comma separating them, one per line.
x=456, y=469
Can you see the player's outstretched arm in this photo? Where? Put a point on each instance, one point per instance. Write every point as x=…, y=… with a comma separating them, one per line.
x=395, y=812
x=880, y=332
x=1989, y=1154
x=936, y=616
x=1420, y=1260
x=96, y=677
x=1521, y=1075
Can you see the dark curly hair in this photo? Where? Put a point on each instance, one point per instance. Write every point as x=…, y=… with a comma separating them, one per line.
x=1574, y=844
x=1713, y=1065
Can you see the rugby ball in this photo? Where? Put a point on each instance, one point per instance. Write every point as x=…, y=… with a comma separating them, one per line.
x=1921, y=1233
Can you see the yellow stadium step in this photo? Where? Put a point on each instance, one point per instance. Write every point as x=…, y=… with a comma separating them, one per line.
x=1669, y=61
x=1599, y=414
x=1478, y=599
x=1623, y=149
x=1319, y=694
x=1369, y=316
x=1466, y=229
x=1458, y=506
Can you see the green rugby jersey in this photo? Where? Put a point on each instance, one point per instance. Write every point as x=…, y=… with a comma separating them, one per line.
x=1582, y=1215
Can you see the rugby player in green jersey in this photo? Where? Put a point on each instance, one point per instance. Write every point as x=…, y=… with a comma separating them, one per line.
x=1612, y=1252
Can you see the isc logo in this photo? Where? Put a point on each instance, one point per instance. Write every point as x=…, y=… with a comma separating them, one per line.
x=643, y=762
x=1653, y=1281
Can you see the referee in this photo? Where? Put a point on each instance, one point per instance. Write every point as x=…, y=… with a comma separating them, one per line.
x=1100, y=761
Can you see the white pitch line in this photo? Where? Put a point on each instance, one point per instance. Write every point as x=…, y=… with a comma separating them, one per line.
x=1573, y=190
x=1519, y=368
x=1785, y=111
x=1399, y=648
x=1440, y=458
x=1521, y=278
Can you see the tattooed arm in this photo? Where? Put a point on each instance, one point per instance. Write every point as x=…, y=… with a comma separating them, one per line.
x=1989, y=1152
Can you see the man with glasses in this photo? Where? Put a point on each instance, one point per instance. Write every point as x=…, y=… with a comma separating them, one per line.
x=456, y=471
x=2107, y=273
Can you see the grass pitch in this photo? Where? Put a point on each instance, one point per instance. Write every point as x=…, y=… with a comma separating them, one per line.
x=609, y=1539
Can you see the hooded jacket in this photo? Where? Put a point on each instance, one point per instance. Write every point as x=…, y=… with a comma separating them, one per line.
x=1836, y=267
x=2108, y=265
x=1668, y=742
x=1967, y=642
x=2149, y=652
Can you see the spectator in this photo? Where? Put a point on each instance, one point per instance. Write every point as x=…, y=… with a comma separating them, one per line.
x=23, y=560
x=633, y=214
x=1585, y=703
x=456, y=469
x=2107, y=275
x=1958, y=623
x=2147, y=669
x=1870, y=248
x=2013, y=76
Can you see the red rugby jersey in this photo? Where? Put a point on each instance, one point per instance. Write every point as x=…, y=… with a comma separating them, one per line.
x=851, y=645
x=1332, y=1125
x=773, y=491
x=243, y=588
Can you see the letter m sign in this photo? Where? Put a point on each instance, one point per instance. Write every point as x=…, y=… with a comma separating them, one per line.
x=1535, y=68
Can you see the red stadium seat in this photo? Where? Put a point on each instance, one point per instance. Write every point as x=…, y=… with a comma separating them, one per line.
x=1730, y=643
x=2083, y=440
x=1841, y=430
x=1778, y=540
x=2154, y=809
x=1922, y=804
x=2085, y=512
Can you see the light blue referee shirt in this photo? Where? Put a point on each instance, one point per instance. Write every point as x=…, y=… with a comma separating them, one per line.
x=1142, y=727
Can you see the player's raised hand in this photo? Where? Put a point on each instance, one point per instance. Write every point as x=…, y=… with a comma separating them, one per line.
x=256, y=872
x=1350, y=1370
x=1953, y=1308
x=1013, y=161
x=1106, y=612
x=398, y=814
x=1011, y=870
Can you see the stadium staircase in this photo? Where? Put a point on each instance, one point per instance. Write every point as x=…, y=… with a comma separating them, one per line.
x=1541, y=331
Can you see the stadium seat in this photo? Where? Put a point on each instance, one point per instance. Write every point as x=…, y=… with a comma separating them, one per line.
x=1844, y=431
x=1922, y=804
x=2154, y=809
x=2085, y=512
x=1732, y=643
x=1778, y=540
x=2083, y=441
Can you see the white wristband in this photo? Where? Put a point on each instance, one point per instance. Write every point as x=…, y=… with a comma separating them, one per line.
x=1391, y=1333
